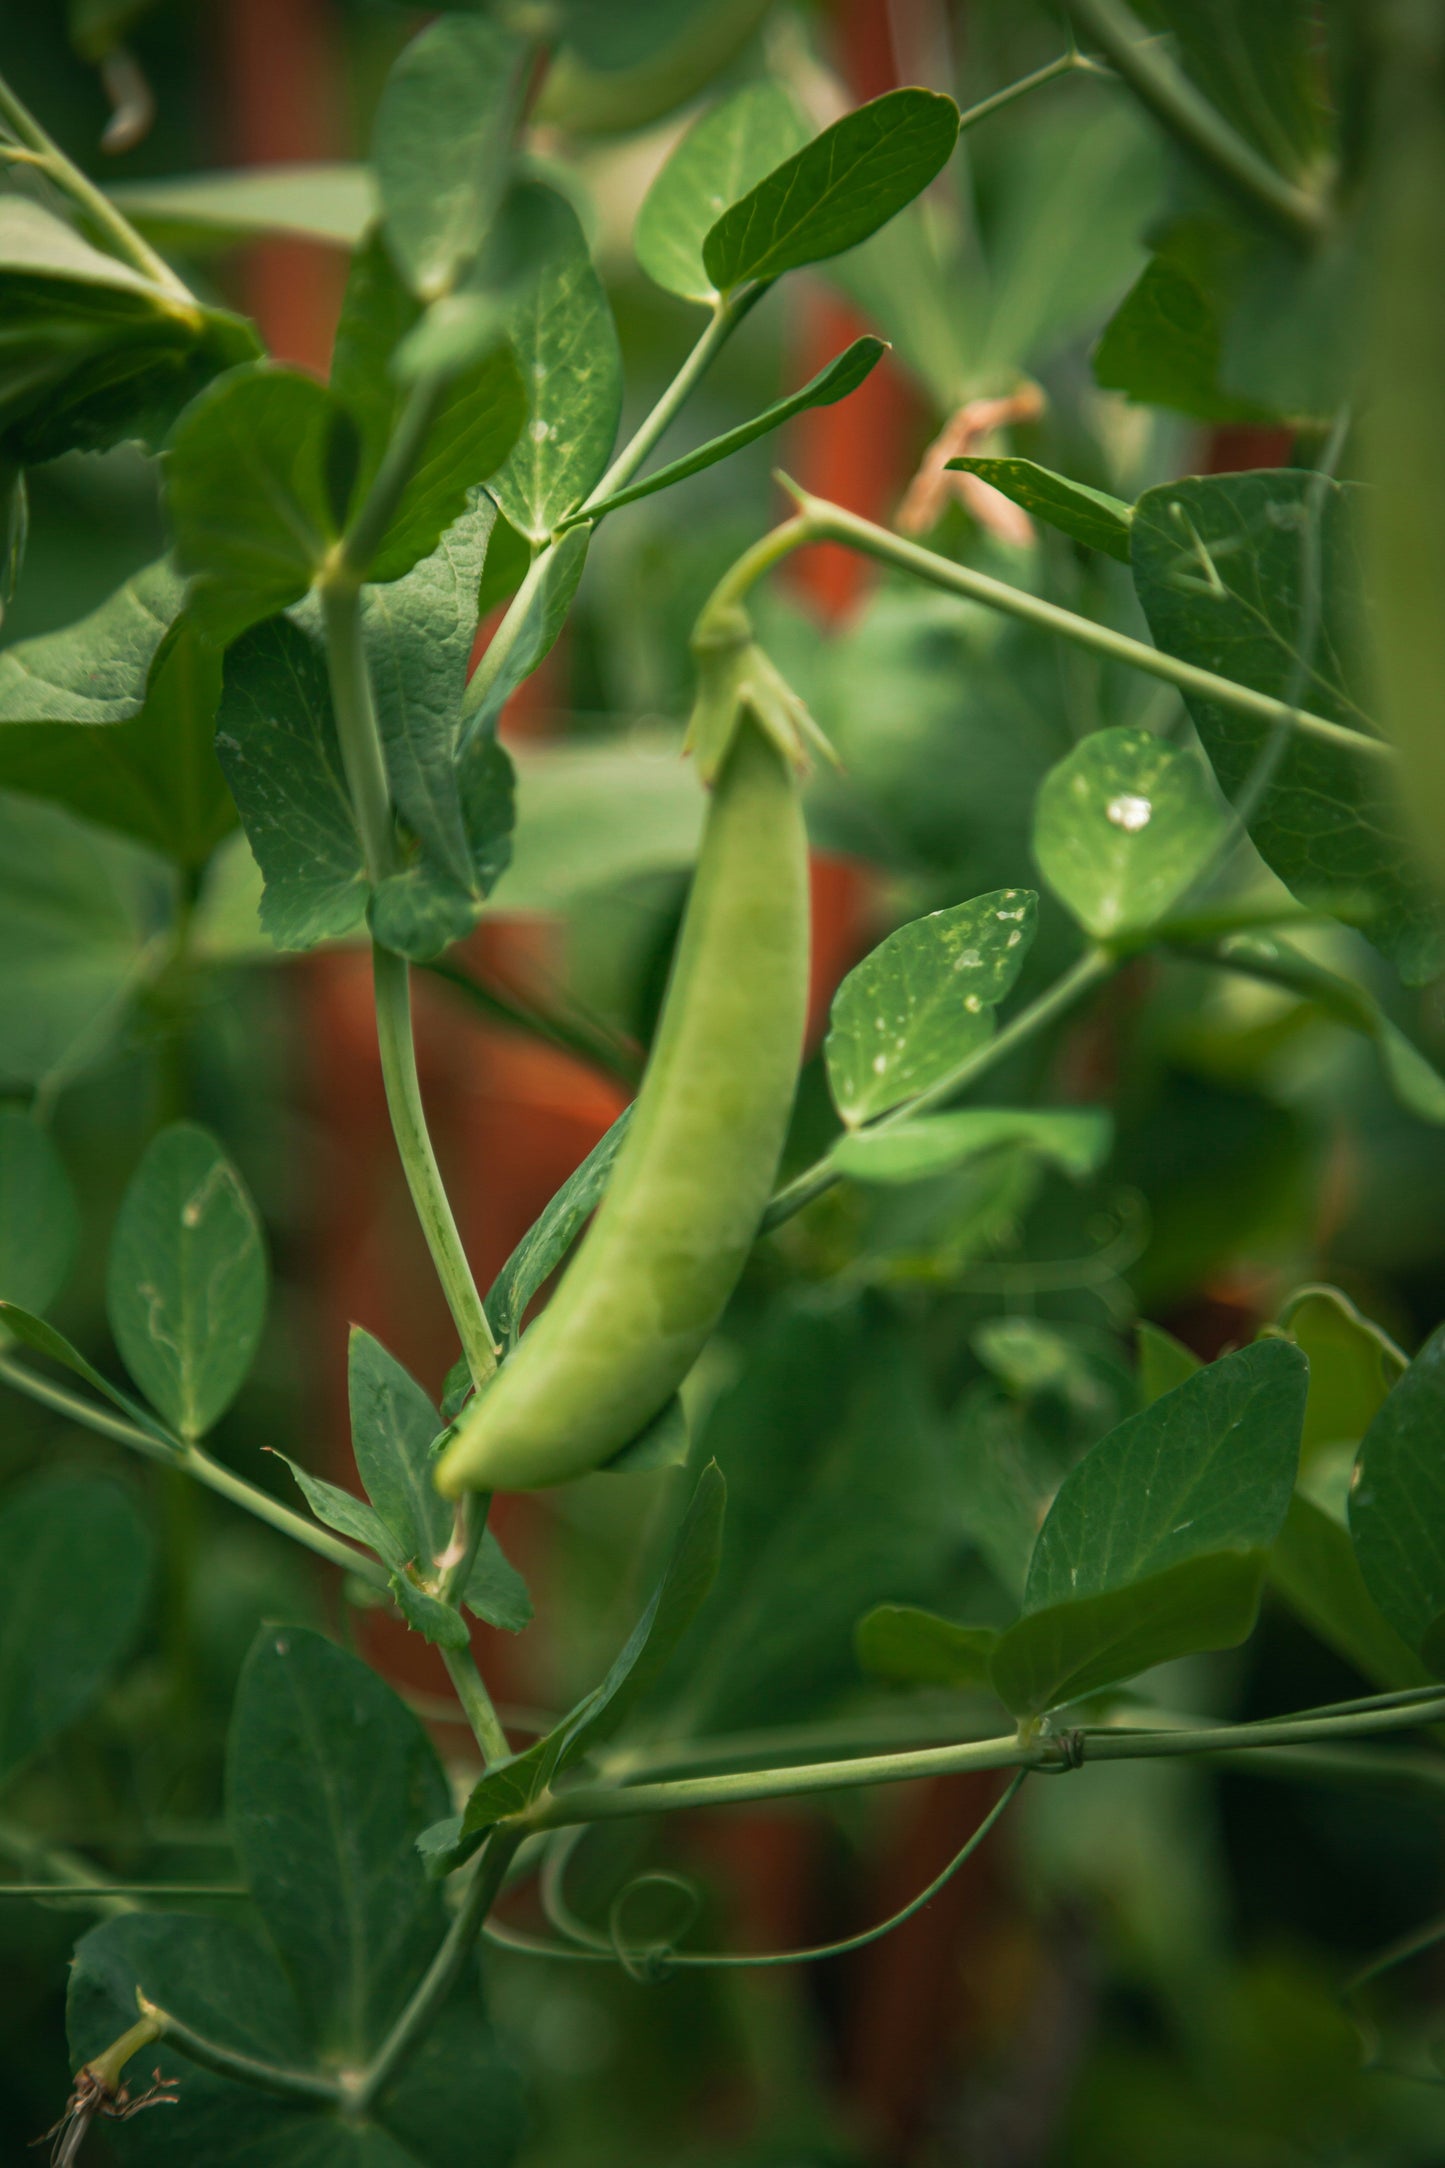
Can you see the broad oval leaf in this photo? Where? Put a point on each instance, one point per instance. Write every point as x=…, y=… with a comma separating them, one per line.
x=1076, y=1140
x=1123, y=826
x=39, y=1219
x=75, y=1572
x=249, y=487
x=1157, y=1540
x=1397, y=1506
x=1086, y=515
x=722, y=156
x=912, y=1647
x=913, y=1010
x=441, y=146
x=186, y=1281
x=1224, y=571
x=836, y=190
x=562, y=333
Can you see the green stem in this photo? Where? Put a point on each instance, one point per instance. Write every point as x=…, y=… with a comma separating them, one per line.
x=470, y=1686
x=601, y=1802
x=413, y=1142
x=1190, y=117
x=441, y=1975
x=829, y=522
x=362, y=757
x=1092, y=968
x=1070, y=63
x=96, y=209
x=227, y=2062
x=58, y=1871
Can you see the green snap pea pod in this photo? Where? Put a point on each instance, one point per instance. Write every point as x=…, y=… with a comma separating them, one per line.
x=665, y=1250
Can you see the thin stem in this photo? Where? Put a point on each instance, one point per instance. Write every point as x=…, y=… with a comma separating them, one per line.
x=1092, y=968
x=413, y=1142
x=61, y=1872
x=80, y=1410
x=227, y=2062
x=362, y=756
x=399, y=463
x=477, y=1703
x=1070, y=63
x=442, y=1973
x=831, y=523
x=1190, y=117
x=97, y=209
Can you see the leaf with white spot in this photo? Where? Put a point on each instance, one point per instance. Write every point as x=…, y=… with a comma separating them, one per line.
x=1123, y=826
x=924, y=1001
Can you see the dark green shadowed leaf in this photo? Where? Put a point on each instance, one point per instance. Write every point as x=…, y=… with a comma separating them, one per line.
x=721, y=157
x=276, y=739
x=565, y=341
x=1163, y=346
x=1123, y=827
x=836, y=190
x=1157, y=1540
x=1397, y=1505
x=94, y=671
x=329, y=1779
x=1076, y=1140
x=897, y=1641
x=75, y=1571
x=39, y=1220
x=441, y=144
x=186, y=1282
x=924, y=999
x=1314, y=1567
x=841, y=376
x=549, y=1238
x=481, y=410
x=248, y=485
x=512, y=1786
x=1086, y=515
x=1223, y=569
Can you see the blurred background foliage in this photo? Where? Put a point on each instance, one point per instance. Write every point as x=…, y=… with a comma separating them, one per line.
x=1146, y=1966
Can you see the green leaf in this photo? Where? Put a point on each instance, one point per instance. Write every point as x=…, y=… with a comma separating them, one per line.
x=95, y=351
x=187, y=1280
x=198, y=212
x=1397, y=1505
x=1163, y=346
x=1087, y=515
x=836, y=190
x=543, y=617
x=510, y=1787
x=565, y=341
x=249, y=485
x=349, y=1516
x=441, y=145
x=276, y=740
x=842, y=375
x=1415, y=1082
x=909, y=1013
x=1223, y=570
x=329, y=1779
x=77, y=909
x=427, y=1615
x=551, y=1235
x=1077, y=1141
x=1353, y=1365
x=1157, y=1541
x=897, y=1641
x=113, y=718
x=665, y=1443
x=75, y=1573
x=43, y=1339
x=1313, y=1566
x=1164, y=1362
x=724, y=155
x=1260, y=67
x=476, y=423
x=39, y=1218
x=1123, y=826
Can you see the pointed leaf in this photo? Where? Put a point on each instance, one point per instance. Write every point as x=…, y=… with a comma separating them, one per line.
x=353, y=1517
x=924, y=999
x=918, y=1648
x=1225, y=573
x=722, y=157
x=836, y=190
x=551, y=1235
x=1075, y=1140
x=1123, y=826
x=75, y=1572
x=39, y=1219
x=841, y=376
x=441, y=146
x=1086, y=515
x=565, y=341
x=544, y=615
x=187, y=1280
x=1397, y=1506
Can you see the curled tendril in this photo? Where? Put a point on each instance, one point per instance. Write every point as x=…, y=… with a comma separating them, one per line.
x=654, y=1959
x=585, y=1946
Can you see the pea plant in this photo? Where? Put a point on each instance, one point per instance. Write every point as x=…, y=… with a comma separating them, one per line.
x=1261, y=648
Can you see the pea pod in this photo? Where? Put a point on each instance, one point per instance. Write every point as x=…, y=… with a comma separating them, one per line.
x=669, y=1240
